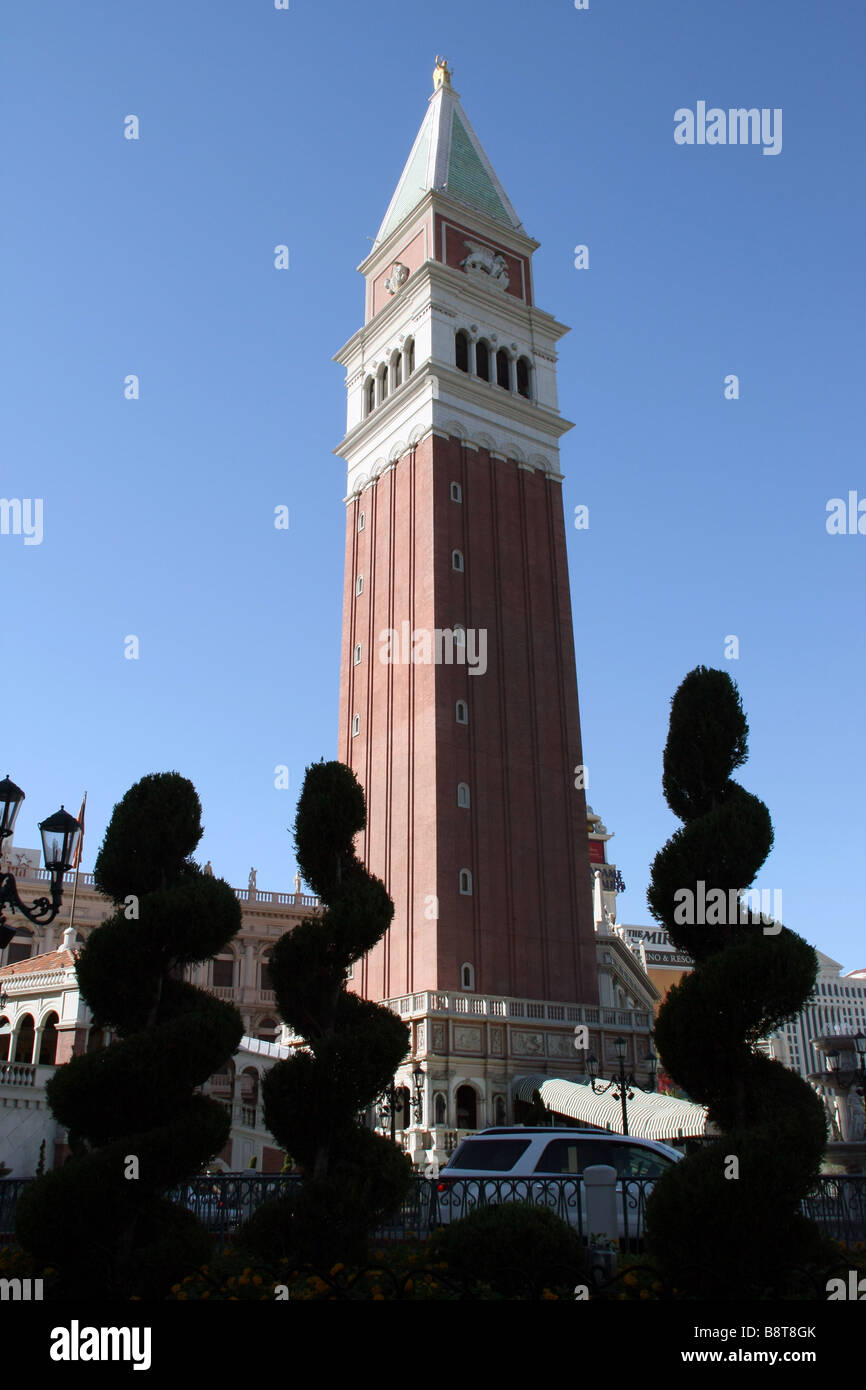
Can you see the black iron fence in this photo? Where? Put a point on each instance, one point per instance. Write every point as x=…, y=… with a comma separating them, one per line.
x=223, y=1202
x=838, y=1206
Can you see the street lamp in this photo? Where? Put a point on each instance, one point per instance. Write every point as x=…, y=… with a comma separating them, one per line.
x=623, y=1085
x=418, y=1094
x=388, y=1109
x=651, y=1063
x=60, y=837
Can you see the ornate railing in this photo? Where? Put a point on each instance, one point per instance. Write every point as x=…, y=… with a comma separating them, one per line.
x=17, y=1073
x=838, y=1206
x=448, y=1002
x=223, y=1202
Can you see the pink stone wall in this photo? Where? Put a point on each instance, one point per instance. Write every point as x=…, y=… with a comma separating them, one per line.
x=527, y=928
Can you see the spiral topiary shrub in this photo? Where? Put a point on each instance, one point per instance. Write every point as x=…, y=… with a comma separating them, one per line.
x=725, y=1222
x=136, y=1126
x=354, y=1179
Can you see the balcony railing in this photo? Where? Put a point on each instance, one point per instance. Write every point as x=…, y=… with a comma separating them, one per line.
x=17, y=1073
x=243, y=894
x=535, y=1009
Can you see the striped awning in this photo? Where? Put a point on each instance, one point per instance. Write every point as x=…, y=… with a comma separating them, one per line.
x=650, y=1116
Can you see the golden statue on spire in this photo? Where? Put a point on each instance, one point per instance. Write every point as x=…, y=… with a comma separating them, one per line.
x=441, y=74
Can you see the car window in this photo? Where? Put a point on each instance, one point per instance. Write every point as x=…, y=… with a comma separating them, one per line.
x=633, y=1161
x=489, y=1155
x=564, y=1156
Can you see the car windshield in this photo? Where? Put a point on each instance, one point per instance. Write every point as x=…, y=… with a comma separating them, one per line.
x=489, y=1155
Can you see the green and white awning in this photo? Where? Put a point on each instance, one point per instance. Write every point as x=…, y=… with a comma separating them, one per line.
x=650, y=1116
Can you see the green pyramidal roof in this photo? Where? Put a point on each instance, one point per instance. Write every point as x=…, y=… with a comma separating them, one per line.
x=447, y=155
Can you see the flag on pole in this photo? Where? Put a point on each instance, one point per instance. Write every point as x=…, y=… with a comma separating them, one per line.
x=76, y=858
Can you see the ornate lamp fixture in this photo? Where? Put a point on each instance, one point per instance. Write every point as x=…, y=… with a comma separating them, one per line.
x=418, y=1094
x=60, y=836
x=623, y=1085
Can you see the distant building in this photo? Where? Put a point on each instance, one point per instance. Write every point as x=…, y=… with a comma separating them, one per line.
x=829, y=1023
x=44, y=1022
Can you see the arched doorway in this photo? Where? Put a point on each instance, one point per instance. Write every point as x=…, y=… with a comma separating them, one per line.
x=249, y=1096
x=402, y=1112
x=467, y=1107
x=48, y=1041
x=24, y=1039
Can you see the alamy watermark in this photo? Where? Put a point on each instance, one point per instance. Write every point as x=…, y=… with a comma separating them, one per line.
x=733, y=907
x=423, y=646
x=21, y=1290
x=736, y=126
x=846, y=520
x=77, y=1343
x=22, y=516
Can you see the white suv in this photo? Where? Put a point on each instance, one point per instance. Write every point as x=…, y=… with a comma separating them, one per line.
x=545, y=1167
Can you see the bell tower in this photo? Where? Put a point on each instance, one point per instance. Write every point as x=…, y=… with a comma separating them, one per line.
x=458, y=700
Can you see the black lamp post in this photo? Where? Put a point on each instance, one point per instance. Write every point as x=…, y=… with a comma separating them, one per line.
x=623, y=1083
x=418, y=1095
x=60, y=836
x=651, y=1062
x=387, y=1104
x=388, y=1109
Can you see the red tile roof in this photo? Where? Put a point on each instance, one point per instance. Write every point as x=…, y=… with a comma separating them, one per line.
x=36, y=965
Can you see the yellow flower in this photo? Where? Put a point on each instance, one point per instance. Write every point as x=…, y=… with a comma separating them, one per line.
x=630, y=1279
x=175, y=1288
x=336, y=1269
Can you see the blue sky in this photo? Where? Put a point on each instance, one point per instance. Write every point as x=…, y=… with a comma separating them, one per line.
x=707, y=516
